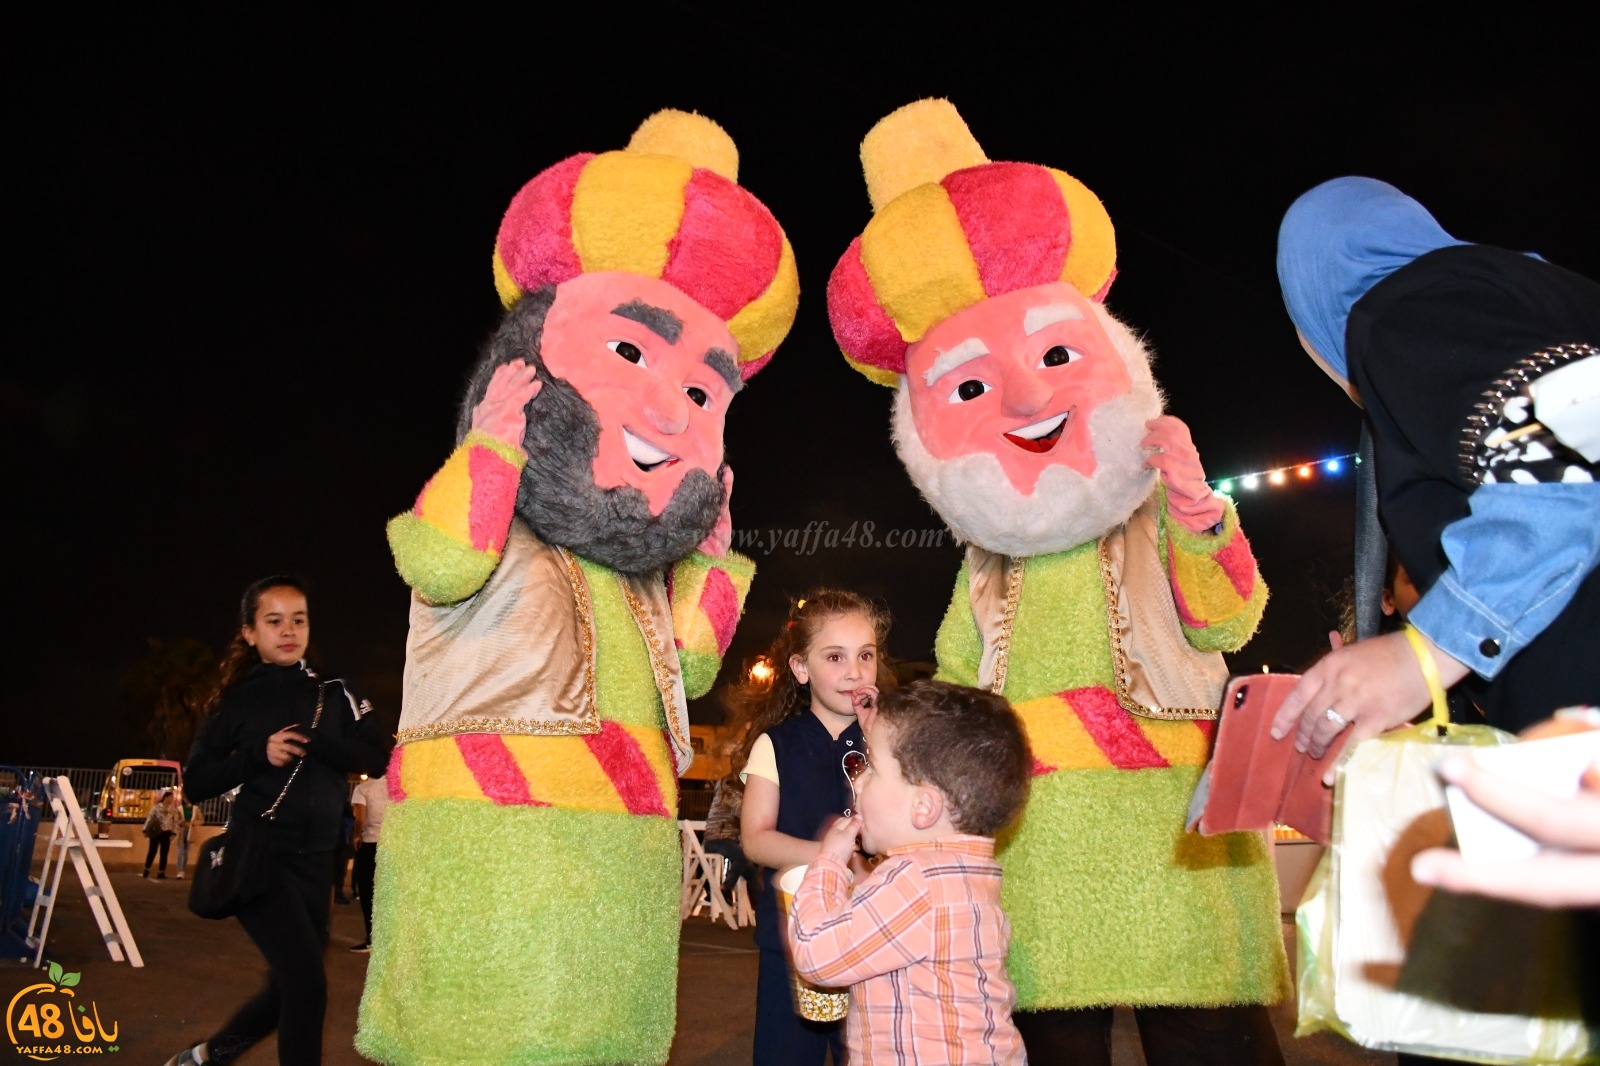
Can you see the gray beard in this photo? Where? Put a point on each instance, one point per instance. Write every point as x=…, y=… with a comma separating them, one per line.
x=980, y=505
x=557, y=496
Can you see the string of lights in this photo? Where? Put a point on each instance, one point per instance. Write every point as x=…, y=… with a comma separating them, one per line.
x=1283, y=475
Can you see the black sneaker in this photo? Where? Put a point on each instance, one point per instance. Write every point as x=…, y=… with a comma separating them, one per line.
x=162, y=876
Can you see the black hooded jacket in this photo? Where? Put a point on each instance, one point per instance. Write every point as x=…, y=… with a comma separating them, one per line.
x=231, y=750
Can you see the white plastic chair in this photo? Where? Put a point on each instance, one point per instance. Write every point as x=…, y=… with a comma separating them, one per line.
x=702, y=879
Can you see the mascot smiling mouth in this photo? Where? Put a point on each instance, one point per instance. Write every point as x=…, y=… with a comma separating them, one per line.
x=1041, y=436
x=646, y=456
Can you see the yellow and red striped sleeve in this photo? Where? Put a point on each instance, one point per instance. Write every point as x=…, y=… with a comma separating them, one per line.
x=450, y=541
x=1215, y=583
x=707, y=595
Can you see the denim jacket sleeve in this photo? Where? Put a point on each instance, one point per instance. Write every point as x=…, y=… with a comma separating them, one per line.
x=1515, y=562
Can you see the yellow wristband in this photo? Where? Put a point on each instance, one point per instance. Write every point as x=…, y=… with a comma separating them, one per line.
x=1430, y=674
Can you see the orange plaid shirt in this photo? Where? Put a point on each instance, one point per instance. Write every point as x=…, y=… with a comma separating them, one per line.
x=922, y=944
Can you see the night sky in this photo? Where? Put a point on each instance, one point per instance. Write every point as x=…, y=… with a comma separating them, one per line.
x=250, y=271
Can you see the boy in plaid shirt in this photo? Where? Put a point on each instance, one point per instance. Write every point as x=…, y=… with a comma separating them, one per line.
x=922, y=939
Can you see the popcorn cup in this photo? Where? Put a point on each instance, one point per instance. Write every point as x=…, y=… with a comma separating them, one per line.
x=812, y=1002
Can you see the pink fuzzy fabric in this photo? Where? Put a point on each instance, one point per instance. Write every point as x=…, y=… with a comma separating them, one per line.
x=624, y=763
x=720, y=602
x=496, y=772
x=535, y=239
x=494, y=493
x=750, y=369
x=718, y=216
x=862, y=327
x=1015, y=222
x=397, y=794
x=1113, y=729
x=1239, y=563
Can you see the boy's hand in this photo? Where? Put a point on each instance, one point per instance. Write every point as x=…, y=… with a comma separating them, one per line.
x=839, y=841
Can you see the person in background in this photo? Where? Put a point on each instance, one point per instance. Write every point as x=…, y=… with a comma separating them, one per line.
x=263, y=734
x=368, y=802
x=161, y=826
x=193, y=819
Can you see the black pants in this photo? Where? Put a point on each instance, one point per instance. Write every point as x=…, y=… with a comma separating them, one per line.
x=160, y=841
x=1172, y=1036
x=783, y=1038
x=289, y=926
x=361, y=877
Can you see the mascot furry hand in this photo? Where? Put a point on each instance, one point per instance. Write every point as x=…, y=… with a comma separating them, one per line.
x=572, y=587
x=1102, y=576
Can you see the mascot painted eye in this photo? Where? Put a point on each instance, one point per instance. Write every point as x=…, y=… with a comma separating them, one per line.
x=968, y=390
x=697, y=397
x=630, y=352
x=1060, y=355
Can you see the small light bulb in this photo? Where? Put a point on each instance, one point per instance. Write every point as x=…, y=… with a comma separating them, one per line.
x=1276, y=477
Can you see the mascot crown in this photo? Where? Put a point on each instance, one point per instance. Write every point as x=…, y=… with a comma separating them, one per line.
x=951, y=229
x=668, y=206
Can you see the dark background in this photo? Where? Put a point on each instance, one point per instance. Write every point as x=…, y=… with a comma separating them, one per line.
x=250, y=270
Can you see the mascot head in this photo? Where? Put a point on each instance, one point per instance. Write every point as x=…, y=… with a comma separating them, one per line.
x=976, y=292
x=647, y=287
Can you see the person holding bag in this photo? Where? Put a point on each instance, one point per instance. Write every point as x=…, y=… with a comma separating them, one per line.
x=287, y=741
x=160, y=827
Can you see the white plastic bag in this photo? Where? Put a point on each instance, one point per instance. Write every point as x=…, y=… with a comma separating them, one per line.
x=1397, y=966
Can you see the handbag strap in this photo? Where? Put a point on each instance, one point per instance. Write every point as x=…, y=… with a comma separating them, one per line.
x=272, y=812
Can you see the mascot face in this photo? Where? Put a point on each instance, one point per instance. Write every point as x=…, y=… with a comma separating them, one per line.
x=1020, y=420
x=658, y=370
x=1016, y=377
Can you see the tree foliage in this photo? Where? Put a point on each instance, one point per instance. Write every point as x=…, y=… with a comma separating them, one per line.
x=168, y=687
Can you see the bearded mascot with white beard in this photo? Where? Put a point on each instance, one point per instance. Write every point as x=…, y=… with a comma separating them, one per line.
x=1102, y=580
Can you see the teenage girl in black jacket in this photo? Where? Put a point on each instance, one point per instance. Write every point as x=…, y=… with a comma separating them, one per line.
x=258, y=730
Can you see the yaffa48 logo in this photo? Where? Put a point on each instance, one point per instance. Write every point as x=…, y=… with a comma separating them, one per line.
x=46, y=1020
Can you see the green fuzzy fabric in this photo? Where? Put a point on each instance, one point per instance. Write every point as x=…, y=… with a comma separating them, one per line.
x=510, y=935
x=1111, y=902
x=699, y=671
x=440, y=568
x=625, y=682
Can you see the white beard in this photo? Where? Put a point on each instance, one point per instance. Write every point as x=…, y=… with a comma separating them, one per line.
x=980, y=505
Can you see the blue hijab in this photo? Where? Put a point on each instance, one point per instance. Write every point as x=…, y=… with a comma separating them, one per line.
x=1339, y=240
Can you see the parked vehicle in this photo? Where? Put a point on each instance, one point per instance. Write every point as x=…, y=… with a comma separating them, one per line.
x=133, y=788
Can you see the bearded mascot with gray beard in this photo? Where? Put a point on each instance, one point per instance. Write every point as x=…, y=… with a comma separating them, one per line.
x=571, y=589
x=1102, y=580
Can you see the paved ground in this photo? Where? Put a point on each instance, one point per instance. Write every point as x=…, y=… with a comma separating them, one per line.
x=196, y=972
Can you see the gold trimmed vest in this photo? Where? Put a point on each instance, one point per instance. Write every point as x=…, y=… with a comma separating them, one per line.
x=1158, y=673
x=518, y=657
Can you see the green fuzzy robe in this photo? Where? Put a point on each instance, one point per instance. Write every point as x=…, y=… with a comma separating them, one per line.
x=524, y=934
x=1110, y=900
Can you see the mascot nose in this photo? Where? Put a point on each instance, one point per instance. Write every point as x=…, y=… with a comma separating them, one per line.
x=1025, y=393
x=667, y=408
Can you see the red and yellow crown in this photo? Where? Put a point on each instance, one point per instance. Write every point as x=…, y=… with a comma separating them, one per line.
x=950, y=229
x=668, y=206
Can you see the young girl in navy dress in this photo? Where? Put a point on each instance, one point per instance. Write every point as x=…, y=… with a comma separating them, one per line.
x=802, y=746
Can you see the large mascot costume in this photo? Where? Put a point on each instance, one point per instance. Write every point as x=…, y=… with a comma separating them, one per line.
x=1102, y=577
x=571, y=588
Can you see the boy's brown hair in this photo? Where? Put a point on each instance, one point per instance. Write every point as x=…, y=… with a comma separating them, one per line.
x=967, y=743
